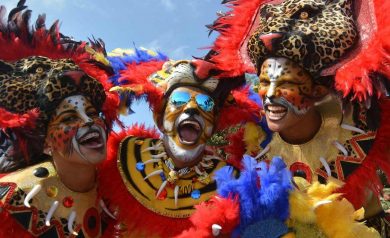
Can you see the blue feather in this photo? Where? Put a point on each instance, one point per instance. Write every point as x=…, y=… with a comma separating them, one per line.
x=262, y=189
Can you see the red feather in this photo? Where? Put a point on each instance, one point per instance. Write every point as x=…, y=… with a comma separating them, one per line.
x=353, y=77
x=221, y=211
x=12, y=120
x=136, y=76
x=236, y=148
x=243, y=110
x=239, y=20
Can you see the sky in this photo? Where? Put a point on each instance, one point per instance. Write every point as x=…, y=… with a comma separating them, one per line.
x=174, y=27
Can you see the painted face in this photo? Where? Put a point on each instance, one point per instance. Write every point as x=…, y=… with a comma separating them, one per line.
x=286, y=90
x=76, y=132
x=188, y=122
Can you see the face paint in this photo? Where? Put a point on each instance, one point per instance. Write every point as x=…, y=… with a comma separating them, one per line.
x=76, y=132
x=188, y=122
x=286, y=90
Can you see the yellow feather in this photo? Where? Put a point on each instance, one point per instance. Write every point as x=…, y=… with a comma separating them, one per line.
x=316, y=209
x=252, y=137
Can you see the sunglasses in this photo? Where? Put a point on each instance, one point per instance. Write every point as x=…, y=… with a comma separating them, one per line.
x=180, y=98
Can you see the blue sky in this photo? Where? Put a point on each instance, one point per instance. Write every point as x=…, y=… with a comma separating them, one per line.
x=175, y=27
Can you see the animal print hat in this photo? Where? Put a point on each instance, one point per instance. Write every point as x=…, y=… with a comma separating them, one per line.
x=40, y=67
x=345, y=39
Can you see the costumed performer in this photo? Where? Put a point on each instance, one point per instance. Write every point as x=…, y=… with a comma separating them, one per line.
x=152, y=183
x=53, y=90
x=323, y=77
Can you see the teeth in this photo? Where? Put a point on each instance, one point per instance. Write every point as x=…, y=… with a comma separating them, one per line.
x=90, y=136
x=276, y=116
x=276, y=108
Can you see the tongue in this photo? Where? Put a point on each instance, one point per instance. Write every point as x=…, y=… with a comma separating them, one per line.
x=188, y=133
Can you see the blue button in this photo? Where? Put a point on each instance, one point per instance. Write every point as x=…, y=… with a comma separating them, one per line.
x=195, y=194
x=140, y=166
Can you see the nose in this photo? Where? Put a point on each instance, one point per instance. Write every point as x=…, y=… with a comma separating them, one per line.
x=272, y=91
x=87, y=120
x=191, y=111
x=267, y=40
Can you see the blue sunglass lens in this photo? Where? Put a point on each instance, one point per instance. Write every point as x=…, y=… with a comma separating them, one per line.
x=179, y=98
x=205, y=102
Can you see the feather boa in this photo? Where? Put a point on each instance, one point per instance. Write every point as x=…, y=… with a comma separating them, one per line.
x=317, y=209
x=262, y=192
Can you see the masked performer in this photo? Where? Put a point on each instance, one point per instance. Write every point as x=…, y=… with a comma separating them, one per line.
x=153, y=183
x=323, y=77
x=51, y=91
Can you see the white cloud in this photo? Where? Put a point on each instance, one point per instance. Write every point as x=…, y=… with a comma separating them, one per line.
x=168, y=4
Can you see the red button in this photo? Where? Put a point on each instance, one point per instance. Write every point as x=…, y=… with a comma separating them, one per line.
x=67, y=202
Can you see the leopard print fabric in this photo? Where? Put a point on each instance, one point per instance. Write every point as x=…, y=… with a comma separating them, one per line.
x=41, y=82
x=313, y=33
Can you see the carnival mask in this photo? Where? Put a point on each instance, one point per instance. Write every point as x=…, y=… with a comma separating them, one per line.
x=312, y=33
x=287, y=90
x=188, y=122
x=76, y=132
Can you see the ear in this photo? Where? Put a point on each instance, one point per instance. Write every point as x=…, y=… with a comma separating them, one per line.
x=346, y=5
x=319, y=92
x=47, y=149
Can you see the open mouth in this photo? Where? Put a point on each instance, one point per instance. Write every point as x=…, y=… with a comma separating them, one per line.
x=275, y=112
x=189, y=132
x=91, y=140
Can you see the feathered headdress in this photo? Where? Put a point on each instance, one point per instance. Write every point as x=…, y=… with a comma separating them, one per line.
x=31, y=86
x=362, y=75
x=149, y=75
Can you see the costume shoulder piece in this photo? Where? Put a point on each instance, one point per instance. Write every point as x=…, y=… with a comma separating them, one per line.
x=39, y=202
x=145, y=169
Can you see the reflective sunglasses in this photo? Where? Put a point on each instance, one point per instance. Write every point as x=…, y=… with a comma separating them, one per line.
x=180, y=98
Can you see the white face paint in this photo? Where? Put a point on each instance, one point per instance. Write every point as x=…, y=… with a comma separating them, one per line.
x=184, y=155
x=287, y=92
x=187, y=126
x=76, y=132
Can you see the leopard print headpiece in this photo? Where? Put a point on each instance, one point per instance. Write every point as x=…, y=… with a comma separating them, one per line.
x=41, y=82
x=313, y=33
x=39, y=67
